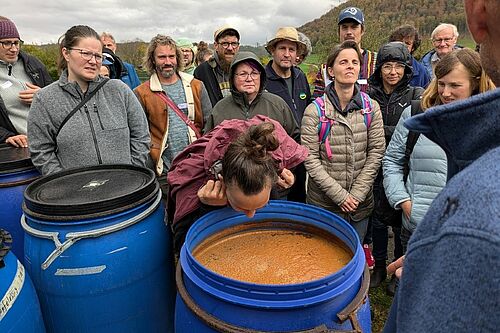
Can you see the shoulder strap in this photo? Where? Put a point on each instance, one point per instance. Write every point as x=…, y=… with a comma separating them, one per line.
x=367, y=109
x=324, y=125
x=82, y=103
x=163, y=96
x=411, y=140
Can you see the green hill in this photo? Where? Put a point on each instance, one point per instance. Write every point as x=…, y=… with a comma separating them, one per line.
x=381, y=16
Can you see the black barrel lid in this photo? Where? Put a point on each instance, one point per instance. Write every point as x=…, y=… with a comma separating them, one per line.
x=5, y=245
x=14, y=159
x=89, y=192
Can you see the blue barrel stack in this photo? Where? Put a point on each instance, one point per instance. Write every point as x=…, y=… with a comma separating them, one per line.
x=99, y=252
x=16, y=172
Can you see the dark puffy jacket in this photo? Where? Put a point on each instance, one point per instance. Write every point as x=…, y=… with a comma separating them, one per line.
x=301, y=92
x=39, y=76
x=392, y=105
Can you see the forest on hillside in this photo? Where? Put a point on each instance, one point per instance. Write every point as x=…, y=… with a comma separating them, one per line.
x=382, y=16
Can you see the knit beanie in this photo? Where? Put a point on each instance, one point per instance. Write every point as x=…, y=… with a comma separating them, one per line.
x=8, y=29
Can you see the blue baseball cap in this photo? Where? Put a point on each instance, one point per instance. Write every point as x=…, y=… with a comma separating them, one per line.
x=352, y=13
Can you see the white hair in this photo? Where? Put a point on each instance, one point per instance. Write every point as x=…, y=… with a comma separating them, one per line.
x=443, y=26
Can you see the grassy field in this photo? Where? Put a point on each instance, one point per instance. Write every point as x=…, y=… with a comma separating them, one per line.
x=380, y=304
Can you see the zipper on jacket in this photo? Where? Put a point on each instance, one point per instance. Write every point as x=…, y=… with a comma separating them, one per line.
x=99, y=159
x=98, y=117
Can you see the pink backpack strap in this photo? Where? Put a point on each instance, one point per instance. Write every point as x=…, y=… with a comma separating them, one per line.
x=367, y=109
x=324, y=125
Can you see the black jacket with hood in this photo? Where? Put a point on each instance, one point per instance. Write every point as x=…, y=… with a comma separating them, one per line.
x=236, y=106
x=393, y=104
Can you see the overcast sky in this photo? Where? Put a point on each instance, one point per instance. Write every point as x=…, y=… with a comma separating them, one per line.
x=43, y=21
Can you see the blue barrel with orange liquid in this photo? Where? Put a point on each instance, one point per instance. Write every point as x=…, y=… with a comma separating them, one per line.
x=210, y=302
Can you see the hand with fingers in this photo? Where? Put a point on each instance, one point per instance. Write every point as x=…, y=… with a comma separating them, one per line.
x=213, y=193
x=26, y=96
x=19, y=141
x=350, y=204
x=286, y=179
x=396, y=267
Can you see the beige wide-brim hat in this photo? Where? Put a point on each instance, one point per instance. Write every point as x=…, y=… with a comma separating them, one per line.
x=286, y=33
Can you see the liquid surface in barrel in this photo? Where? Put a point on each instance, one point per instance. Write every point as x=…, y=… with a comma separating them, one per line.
x=266, y=255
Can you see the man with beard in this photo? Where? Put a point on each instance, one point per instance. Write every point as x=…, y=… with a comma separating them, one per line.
x=214, y=73
x=290, y=83
x=351, y=23
x=176, y=104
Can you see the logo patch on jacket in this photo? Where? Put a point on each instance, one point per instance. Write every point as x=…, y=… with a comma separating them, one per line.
x=302, y=96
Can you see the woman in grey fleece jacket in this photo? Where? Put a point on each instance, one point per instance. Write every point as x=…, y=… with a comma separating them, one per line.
x=110, y=128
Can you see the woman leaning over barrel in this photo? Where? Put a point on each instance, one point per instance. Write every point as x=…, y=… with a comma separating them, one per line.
x=342, y=169
x=110, y=128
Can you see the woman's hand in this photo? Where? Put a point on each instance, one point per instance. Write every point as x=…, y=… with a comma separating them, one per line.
x=406, y=207
x=286, y=179
x=350, y=204
x=396, y=267
x=19, y=141
x=213, y=193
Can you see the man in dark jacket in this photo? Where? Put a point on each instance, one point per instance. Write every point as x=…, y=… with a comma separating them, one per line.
x=451, y=276
x=21, y=76
x=214, y=73
x=290, y=83
x=390, y=87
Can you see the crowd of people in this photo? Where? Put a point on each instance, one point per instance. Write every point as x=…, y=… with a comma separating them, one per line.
x=381, y=139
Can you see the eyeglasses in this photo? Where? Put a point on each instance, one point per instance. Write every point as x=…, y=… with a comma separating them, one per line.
x=245, y=76
x=387, y=68
x=226, y=44
x=87, y=55
x=8, y=44
x=447, y=40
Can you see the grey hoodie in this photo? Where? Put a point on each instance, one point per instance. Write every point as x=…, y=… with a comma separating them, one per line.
x=111, y=128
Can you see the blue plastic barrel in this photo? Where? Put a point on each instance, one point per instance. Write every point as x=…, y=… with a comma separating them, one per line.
x=209, y=302
x=99, y=252
x=16, y=172
x=19, y=307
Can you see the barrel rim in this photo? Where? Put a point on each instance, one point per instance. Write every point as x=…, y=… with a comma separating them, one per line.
x=272, y=295
x=63, y=212
x=15, y=165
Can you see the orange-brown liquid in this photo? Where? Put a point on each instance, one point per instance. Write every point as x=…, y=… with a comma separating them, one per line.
x=279, y=255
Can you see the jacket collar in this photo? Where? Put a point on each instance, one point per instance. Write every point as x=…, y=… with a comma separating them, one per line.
x=155, y=84
x=465, y=130
x=355, y=104
x=272, y=75
x=73, y=88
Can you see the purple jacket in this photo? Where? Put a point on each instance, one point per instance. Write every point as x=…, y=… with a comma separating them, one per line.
x=190, y=170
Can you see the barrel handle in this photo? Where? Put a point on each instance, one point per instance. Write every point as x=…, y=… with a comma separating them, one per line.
x=73, y=237
x=225, y=327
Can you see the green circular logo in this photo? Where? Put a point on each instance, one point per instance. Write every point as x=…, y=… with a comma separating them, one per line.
x=302, y=96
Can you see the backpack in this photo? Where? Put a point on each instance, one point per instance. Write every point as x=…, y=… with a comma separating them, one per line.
x=411, y=140
x=325, y=123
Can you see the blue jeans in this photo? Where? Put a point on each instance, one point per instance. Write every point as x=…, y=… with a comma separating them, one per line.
x=360, y=227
